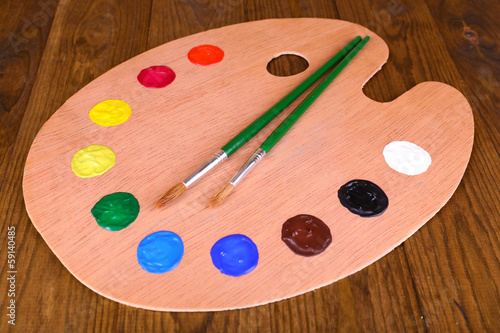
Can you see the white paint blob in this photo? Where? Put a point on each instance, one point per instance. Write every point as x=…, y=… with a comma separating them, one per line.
x=407, y=158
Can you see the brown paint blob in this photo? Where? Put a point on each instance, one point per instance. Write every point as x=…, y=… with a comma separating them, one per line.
x=306, y=235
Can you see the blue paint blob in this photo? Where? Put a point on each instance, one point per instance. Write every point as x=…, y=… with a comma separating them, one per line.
x=235, y=255
x=160, y=252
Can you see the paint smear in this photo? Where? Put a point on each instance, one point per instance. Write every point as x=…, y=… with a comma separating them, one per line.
x=205, y=55
x=306, y=235
x=110, y=113
x=92, y=161
x=160, y=252
x=363, y=198
x=116, y=211
x=235, y=255
x=156, y=76
x=407, y=158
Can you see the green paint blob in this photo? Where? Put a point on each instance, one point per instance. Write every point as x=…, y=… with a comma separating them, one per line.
x=116, y=211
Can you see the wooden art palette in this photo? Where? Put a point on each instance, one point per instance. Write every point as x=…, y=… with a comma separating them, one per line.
x=125, y=138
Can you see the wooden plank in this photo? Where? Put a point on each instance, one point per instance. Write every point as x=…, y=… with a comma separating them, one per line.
x=471, y=255
x=23, y=34
x=86, y=39
x=441, y=255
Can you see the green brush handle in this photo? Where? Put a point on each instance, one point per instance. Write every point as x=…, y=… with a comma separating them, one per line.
x=281, y=130
x=255, y=127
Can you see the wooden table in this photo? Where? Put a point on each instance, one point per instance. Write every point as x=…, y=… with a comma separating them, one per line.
x=446, y=277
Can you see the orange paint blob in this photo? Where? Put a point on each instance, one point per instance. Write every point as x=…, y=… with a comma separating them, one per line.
x=205, y=55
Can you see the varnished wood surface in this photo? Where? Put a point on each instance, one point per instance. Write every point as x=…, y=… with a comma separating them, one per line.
x=444, y=278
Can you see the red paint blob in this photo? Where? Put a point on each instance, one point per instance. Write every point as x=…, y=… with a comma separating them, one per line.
x=156, y=76
x=205, y=55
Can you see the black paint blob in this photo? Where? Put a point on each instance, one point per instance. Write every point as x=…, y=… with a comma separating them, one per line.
x=363, y=198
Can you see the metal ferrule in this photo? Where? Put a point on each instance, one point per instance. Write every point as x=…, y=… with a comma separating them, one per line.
x=205, y=167
x=249, y=164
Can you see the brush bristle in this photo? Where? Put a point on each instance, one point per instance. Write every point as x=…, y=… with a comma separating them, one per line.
x=221, y=196
x=171, y=194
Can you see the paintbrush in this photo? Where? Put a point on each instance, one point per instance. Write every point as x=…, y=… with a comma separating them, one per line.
x=281, y=130
x=251, y=130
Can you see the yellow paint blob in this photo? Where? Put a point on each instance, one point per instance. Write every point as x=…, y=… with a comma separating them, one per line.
x=92, y=161
x=110, y=113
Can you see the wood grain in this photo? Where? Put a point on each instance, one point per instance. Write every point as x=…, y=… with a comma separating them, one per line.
x=413, y=288
x=297, y=179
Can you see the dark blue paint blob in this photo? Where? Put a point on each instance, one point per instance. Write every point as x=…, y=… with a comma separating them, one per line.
x=235, y=255
x=160, y=252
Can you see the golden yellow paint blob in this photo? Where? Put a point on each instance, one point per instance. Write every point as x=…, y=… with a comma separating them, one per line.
x=110, y=113
x=92, y=161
